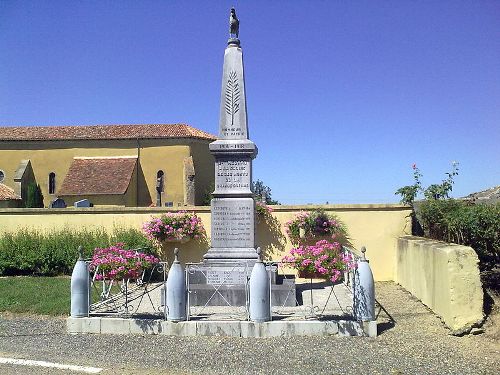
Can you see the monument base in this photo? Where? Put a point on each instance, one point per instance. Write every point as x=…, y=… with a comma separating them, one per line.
x=227, y=254
x=227, y=284
x=235, y=295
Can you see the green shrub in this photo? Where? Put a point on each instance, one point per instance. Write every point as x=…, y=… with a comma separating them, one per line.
x=34, y=198
x=474, y=225
x=29, y=252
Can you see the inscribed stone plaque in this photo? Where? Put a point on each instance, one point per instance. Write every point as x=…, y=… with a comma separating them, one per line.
x=82, y=203
x=227, y=276
x=233, y=176
x=233, y=223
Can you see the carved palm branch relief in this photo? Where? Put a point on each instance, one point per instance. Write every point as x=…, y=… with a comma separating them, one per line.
x=232, y=94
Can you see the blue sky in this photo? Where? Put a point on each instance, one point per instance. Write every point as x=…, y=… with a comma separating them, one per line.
x=343, y=96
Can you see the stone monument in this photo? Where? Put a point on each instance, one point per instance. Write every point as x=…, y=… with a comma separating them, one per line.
x=233, y=206
x=223, y=277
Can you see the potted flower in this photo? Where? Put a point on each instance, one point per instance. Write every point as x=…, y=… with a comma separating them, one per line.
x=174, y=226
x=324, y=260
x=307, y=225
x=117, y=263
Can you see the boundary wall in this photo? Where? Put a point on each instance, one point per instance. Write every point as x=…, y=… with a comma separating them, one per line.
x=375, y=226
x=445, y=277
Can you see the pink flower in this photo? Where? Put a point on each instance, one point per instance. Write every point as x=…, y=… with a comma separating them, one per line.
x=306, y=262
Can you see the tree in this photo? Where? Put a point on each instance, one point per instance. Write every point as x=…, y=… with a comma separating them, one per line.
x=34, y=196
x=259, y=191
x=262, y=192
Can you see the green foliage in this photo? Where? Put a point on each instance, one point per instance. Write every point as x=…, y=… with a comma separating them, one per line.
x=29, y=252
x=208, y=195
x=474, y=225
x=262, y=191
x=35, y=295
x=442, y=190
x=34, y=196
x=435, y=191
x=409, y=193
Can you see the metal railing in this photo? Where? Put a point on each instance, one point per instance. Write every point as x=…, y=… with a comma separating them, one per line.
x=126, y=297
x=218, y=290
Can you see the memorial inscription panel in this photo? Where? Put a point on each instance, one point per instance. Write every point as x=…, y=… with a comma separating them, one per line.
x=232, y=176
x=227, y=276
x=233, y=223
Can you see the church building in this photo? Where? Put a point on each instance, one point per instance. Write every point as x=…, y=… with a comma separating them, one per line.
x=166, y=165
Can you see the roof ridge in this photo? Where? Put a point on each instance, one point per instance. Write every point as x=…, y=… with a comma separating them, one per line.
x=109, y=131
x=91, y=125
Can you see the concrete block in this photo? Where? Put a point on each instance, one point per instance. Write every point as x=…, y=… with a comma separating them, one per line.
x=250, y=329
x=369, y=328
x=298, y=328
x=178, y=328
x=218, y=328
x=83, y=325
x=330, y=328
x=115, y=326
x=445, y=277
x=145, y=326
x=350, y=328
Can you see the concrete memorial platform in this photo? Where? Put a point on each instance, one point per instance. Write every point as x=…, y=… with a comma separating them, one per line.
x=233, y=293
x=321, y=313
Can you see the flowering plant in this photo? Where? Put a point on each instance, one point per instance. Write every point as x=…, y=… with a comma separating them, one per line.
x=174, y=226
x=116, y=263
x=317, y=223
x=262, y=208
x=323, y=259
x=432, y=192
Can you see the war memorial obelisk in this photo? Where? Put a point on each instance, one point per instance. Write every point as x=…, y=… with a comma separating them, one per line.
x=233, y=206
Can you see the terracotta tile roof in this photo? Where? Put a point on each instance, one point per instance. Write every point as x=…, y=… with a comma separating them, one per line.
x=7, y=194
x=17, y=133
x=94, y=176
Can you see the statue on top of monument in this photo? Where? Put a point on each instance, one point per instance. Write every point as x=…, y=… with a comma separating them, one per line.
x=234, y=24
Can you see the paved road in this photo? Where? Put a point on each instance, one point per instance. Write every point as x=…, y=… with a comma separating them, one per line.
x=416, y=343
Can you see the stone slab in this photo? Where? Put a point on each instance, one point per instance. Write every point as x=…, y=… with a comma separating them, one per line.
x=123, y=326
x=233, y=223
x=178, y=328
x=224, y=147
x=350, y=328
x=115, y=326
x=83, y=325
x=82, y=203
x=145, y=326
x=235, y=295
x=218, y=328
x=303, y=328
x=233, y=175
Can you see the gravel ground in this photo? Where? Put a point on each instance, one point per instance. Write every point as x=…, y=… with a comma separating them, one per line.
x=414, y=342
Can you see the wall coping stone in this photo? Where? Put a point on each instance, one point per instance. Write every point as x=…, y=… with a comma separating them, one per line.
x=203, y=209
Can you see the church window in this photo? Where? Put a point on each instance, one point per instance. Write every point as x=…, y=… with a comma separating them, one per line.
x=52, y=183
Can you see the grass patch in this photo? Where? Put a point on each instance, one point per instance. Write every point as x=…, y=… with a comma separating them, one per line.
x=35, y=295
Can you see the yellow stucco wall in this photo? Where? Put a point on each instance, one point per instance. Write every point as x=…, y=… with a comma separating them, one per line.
x=204, y=165
x=443, y=276
x=154, y=155
x=375, y=226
